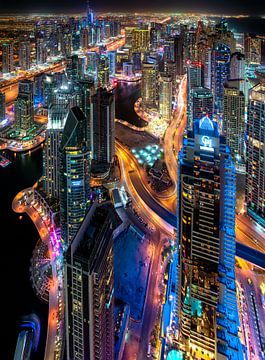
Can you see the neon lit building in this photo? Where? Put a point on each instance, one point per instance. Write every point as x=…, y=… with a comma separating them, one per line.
x=206, y=303
x=51, y=166
x=255, y=154
x=220, y=61
x=252, y=46
x=89, y=288
x=74, y=175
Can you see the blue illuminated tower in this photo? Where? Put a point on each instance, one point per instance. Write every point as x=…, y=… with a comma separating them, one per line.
x=74, y=174
x=90, y=15
x=206, y=301
x=220, y=61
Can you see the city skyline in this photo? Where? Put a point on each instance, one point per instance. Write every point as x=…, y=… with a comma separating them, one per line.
x=132, y=184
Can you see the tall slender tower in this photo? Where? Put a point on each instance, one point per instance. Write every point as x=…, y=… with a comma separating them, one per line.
x=207, y=305
x=74, y=175
x=51, y=165
x=255, y=154
x=102, y=129
x=89, y=288
x=24, y=106
x=220, y=61
x=149, y=84
x=2, y=106
x=7, y=58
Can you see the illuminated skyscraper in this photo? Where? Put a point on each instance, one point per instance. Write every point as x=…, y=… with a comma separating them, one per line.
x=89, y=288
x=24, y=106
x=74, y=175
x=112, y=62
x=237, y=66
x=252, y=49
x=2, y=106
x=102, y=129
x=207, y=305
x=103, y=70
x=234, y=119
x=41, y=51
x=140, y=40
x=170, y=68
x=195, y=73
x=220, y=61
x=255, y=154
x=24, y=55
x=90, y=15
x=51, y=166
x=165, y=96
x=84, y=40
x=149, y=84
x=201, y=104
x=7, y=58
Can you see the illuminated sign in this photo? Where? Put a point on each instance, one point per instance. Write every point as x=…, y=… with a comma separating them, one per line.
x=207, y=143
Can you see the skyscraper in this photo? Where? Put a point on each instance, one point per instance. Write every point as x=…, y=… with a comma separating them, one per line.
x=179, y=46
x=102, y=128
x=103, y=70
x=149, y=84
x=207, y=305
x=165, y=96
x=51, y=166
x=24, y=55
x=140, y=40
x=2, y=106
x=201, y=104
x=24, y=106
x=252, y=46
x=195, y=77
x=234, y=119
x=41, y=51
x=74, y=175
x=89, y=288
x=255, y=154
x=7, y=58
x=220, y=70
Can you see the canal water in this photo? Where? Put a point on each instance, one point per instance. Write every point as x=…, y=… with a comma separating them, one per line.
x=19, y=237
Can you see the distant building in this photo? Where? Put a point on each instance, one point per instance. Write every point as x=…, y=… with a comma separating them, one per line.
x=24, y=106
x=220, y=61
x=165, y=96
x=255, y=154
x=140, y=40
x=7, y=58
x=234, y=119
x=2, y=106
x=149, y=84
x=252, y=46
x=103, y=71
x=74, y=175
x=127, y=69
x=24, y=55
x=89, y=310
x=206, y=303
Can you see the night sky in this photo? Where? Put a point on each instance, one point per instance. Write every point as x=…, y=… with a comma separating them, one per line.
x=253, y=7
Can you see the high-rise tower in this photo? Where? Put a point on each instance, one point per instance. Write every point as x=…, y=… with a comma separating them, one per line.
x=207, y=305
x=255, y=154
x=89, y=288
x=74, y=175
